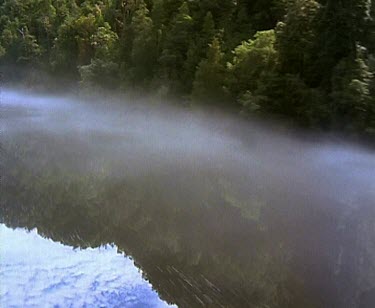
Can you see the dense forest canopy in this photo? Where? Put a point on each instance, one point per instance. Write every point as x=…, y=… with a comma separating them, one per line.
x=312, y=61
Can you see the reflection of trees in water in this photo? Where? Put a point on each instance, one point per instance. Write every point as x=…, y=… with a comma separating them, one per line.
x=198, y=241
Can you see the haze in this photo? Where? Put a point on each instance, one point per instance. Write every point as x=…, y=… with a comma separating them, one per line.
x=310, y=187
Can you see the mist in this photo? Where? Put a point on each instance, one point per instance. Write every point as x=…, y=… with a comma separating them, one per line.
x=139, y=138
x=307, y=188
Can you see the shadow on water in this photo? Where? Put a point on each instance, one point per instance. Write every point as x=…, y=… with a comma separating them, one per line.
x=214, y=211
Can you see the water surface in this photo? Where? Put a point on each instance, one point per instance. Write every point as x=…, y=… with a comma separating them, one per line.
x=37, y=272
x=214, y=210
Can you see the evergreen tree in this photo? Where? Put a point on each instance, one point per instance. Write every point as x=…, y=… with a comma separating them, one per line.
x=296, y=36
x=370, y=33
x=351, y=101
x=176, y=45
x=143, y=54
x=198, y=50
x=208, y=29
x=341, y=26
x=210, y=76
x=221, y=10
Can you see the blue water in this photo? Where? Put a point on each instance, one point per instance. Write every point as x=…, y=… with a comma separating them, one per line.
x=37, y=272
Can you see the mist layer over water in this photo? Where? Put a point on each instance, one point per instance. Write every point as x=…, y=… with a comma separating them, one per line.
x=194, y=188
x=142, y=137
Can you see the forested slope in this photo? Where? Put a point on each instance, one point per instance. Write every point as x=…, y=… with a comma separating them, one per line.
x=311, y=61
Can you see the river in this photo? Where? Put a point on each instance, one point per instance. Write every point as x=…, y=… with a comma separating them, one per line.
x=131, y=203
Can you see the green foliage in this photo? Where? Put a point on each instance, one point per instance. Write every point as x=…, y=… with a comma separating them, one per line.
x=175, y=47
x=144, y=47
x=351, y=99
x=104, y=41
x=370, y=30
x=99, y=73
x=289, y=95
x=2, y=51
x=20, y=46
x=81, y=39
x=252, y=59
x=341, y=26
x=210, y=76
x=296, y=36
x=251, y=102
x=297, y=58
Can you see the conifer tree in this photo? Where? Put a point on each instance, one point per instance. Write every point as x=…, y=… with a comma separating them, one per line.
x=352, y=103
x=296, y=36
x=143, y=54
x=210, y=75
x=175, y=48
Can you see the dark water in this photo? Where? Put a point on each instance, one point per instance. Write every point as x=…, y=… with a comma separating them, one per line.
x=214, y=211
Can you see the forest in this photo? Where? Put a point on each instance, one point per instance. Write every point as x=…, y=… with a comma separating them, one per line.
x=310, y=61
